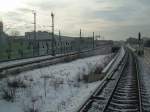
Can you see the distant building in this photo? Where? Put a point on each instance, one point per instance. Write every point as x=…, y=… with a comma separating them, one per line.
x=3, y=36
x=43, y=36
x=146, y=41
x=40, y=35
x=132, y=40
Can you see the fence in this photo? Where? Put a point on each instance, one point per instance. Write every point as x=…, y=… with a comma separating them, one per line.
x=23, y=48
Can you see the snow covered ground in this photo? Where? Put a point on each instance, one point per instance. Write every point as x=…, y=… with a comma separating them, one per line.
x=14, y=62
x=144, y=63
x=57, y=88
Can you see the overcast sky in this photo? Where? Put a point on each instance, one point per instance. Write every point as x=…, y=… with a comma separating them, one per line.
x=113, y=19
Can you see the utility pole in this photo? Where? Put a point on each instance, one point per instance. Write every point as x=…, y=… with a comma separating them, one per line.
x=34, y=25
x=99, y=36
x=53, y=39
x=35, y=43
x=80, y=41
x=60, y=42
x=139, y=39
x=141, y=48
x=93, y=40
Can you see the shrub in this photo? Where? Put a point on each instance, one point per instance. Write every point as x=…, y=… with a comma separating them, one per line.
x=98, y=70
x=8, y=94
x=16, y=83
x=33, y=106
x=31, y=110
x=68, y=59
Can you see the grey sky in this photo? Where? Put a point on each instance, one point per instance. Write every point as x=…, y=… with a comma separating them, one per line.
x=114, y=19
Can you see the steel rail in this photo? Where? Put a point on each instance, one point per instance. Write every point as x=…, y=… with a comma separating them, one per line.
x=139, y=84
x=104, y=82
x=138, y=87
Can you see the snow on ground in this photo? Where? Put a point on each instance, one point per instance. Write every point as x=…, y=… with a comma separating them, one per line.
x=144, y=63
x=13, y=62
x=62, y=91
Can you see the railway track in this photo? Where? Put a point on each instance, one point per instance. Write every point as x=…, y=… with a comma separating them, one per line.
x=121, y=93
x=125, y=96
x=33, y=64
